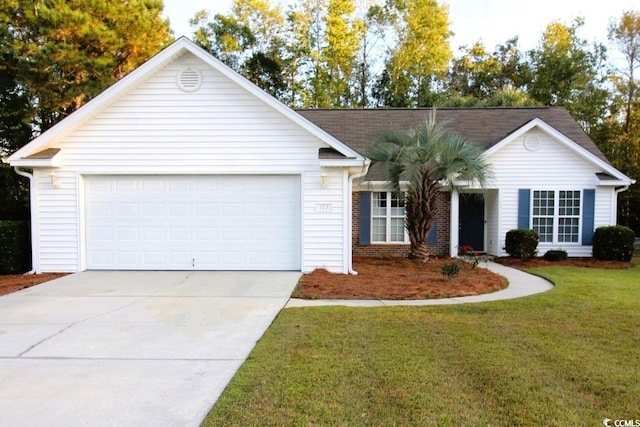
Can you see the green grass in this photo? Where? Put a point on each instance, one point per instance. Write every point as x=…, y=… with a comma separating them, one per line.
x=570, y=356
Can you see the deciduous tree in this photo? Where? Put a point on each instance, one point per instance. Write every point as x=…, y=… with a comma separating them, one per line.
x=567, y=72
x=420, y=55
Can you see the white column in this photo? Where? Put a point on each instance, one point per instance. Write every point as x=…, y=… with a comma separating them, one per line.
x=454, y=230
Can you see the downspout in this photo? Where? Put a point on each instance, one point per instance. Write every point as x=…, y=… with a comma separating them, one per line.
x=34, y=231
x=614, y=208
x=363, y=172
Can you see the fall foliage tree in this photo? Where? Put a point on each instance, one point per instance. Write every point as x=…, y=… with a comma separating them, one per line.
x=420, y=56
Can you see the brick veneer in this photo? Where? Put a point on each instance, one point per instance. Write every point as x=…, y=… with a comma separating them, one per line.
x=442, y=245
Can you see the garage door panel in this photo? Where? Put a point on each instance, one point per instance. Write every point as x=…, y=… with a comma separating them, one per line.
x=193, y=222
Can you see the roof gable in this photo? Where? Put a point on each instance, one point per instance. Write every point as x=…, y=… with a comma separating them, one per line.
x=562, y=139
x=139, y=75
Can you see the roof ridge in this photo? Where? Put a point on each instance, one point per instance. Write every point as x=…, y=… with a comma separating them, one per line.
x=541, y=107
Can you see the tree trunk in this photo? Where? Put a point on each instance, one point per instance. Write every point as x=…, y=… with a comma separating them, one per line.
x=419, y=251
x=421, y=210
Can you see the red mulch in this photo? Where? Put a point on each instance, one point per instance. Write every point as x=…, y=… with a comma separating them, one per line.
x=572, y=262
x=398, y=278
x=16, y=282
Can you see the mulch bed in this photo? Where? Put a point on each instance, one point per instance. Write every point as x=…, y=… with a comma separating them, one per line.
x=398, y=279
x=16, y=282
x=572, y=262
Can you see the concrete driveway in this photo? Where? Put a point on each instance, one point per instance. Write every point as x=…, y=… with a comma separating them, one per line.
x=130, y=348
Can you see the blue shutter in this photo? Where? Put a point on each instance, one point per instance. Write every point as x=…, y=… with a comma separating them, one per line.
x=432, y=238
x=524, y=208
x=588, y=214
x=365, y=218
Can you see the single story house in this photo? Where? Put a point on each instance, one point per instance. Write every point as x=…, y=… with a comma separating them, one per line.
x=185, y=165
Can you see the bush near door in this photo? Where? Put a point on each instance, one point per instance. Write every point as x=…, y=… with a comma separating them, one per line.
x=613, y=243
x=521, y=243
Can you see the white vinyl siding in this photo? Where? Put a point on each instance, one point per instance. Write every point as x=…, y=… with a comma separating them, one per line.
x=221, y=129
x=552, y=168
x=57, y=238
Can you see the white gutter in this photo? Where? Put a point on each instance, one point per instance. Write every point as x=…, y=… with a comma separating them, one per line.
x=34, y=219
x=360, y=174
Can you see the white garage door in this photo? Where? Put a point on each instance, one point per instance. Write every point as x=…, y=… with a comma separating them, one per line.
x=193, y=222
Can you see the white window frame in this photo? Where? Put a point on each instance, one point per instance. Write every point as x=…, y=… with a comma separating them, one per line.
x=575, y=215
x=556, y=216
x=387, y=217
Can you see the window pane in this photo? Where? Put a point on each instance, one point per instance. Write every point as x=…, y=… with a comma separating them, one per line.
x=379, y=204
x=397, y=230
x=571, y=201
x=544, y=228
x=543, y=203
x=379, y=229
x=397, y=206
x=568, y=230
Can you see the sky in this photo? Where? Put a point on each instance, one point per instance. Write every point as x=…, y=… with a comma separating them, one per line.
x=492, y=21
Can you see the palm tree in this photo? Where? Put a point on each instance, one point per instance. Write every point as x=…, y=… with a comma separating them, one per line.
x=427, y=158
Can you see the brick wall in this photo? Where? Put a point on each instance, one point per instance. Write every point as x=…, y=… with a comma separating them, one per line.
x=442, y=245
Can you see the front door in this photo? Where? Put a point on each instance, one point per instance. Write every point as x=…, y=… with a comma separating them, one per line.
x=471, y=221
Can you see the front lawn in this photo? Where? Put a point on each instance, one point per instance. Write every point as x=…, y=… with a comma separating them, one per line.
x=570, y=356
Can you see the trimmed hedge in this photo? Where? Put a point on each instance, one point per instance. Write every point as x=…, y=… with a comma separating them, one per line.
x=613, y=243
x=15, y=247
x=555, y=255
x=521, y=243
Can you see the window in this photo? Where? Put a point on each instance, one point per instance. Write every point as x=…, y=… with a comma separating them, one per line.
x=568, y=216
x=543, y=214
x=387, y=218
x=556, y=216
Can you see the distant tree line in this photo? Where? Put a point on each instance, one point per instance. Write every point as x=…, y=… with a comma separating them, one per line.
x=397, y=53
x=58, y=54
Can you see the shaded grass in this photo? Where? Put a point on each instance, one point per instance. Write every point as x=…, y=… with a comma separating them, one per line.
x=570, y=356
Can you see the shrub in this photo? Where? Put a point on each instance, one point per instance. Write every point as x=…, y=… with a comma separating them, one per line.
x=521, y=243
x=613, y=243
x=15, y=247
x=556, y=255
x=450, y=269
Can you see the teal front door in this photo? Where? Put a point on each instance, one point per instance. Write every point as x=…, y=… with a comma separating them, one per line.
x=471, y=221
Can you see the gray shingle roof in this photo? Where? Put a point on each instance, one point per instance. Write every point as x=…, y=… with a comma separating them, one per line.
x=361, y=128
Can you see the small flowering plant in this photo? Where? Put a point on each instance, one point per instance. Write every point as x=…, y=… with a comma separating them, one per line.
x=466, y=250
x=472, y=256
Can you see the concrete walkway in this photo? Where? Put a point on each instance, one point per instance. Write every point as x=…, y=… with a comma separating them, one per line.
x=130, y=348
x=521, y=284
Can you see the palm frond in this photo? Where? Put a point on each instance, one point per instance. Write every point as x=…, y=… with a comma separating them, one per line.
x=426, y=157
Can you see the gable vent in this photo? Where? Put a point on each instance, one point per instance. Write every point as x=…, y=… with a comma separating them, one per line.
x=189, y=80
x=532, y=142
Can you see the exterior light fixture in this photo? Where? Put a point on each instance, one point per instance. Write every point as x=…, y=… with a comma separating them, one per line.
x=54, y=179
